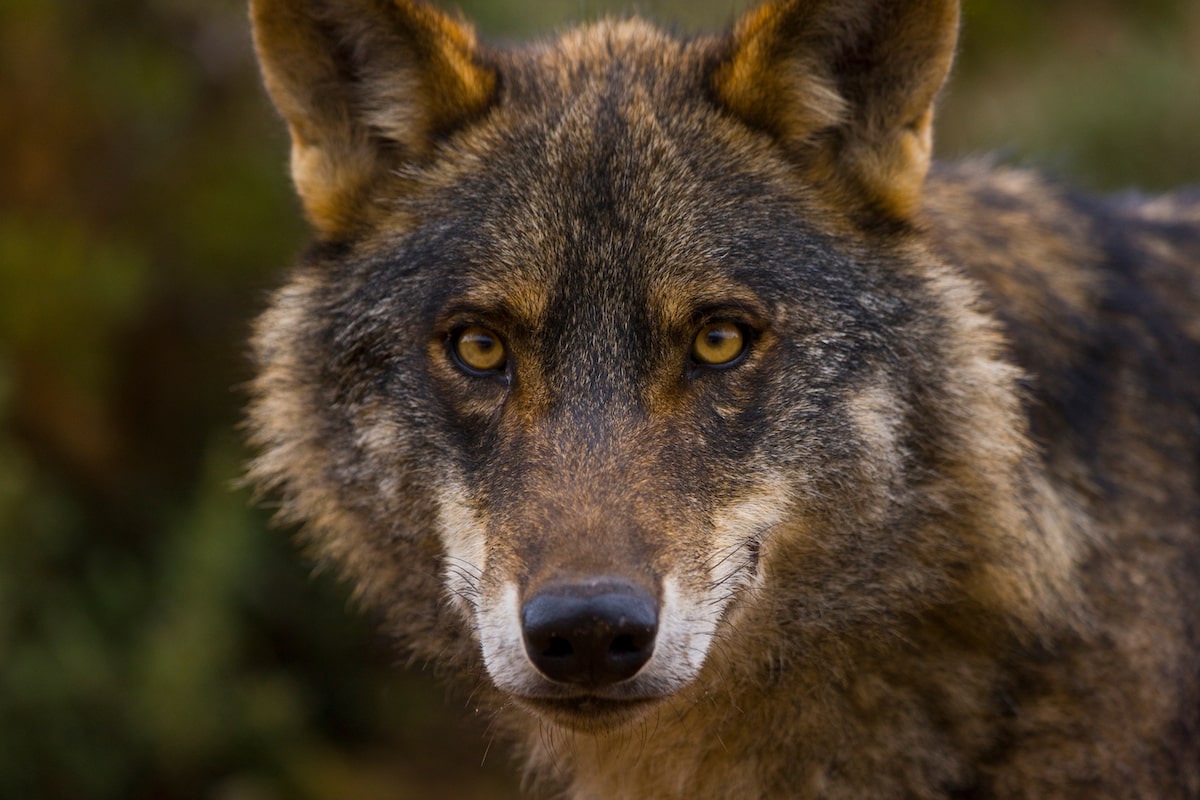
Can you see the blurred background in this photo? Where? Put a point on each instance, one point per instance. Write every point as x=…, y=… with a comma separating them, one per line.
x=157, y=638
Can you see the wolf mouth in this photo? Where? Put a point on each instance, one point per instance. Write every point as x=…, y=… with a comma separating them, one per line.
x=590, y=711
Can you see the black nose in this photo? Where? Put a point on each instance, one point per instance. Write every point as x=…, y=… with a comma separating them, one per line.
x=590, y=634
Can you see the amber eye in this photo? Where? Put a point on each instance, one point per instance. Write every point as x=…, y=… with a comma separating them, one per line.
x=718, y=344
x=479, y=350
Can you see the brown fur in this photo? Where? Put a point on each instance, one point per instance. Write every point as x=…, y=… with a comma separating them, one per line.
x=935, y=534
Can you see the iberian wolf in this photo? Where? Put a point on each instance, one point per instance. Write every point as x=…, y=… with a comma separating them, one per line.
x=664, y=393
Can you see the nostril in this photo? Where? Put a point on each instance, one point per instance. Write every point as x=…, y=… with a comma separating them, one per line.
x=588, y=633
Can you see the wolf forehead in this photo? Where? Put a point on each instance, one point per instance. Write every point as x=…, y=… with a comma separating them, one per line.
x=604, y=167
x=604, y=132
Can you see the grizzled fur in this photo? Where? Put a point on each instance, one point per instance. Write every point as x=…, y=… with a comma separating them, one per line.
x=934, y=533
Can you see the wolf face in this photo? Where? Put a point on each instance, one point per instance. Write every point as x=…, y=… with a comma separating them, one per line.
x=624, y=372
x=633, y=359
x=613, y=333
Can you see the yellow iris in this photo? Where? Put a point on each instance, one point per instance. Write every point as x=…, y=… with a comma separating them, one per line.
x=718, y=343
x=479, y=349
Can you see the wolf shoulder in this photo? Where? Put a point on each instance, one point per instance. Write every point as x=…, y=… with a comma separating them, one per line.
x=1099, y=299
x=1064, y=268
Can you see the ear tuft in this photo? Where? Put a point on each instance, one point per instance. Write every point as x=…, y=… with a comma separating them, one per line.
x=847, y=87
x=775, y=86
x=364, y=86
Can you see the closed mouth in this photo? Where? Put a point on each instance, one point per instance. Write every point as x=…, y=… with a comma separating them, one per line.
x=589, y=712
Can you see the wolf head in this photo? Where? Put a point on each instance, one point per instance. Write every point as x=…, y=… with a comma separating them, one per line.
x=619, y=364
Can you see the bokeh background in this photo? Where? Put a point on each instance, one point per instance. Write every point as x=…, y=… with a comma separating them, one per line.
x=157, y=638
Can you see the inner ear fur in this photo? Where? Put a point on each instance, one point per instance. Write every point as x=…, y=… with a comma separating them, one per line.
x=847, y=87
x=364, y=86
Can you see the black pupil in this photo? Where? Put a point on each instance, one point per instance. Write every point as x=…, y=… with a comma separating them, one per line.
x=721, y=341
x=717, y=337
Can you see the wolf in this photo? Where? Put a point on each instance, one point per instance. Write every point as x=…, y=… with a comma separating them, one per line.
x=667, y=395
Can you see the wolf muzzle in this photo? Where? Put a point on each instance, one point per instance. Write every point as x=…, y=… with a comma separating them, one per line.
x=590, y=633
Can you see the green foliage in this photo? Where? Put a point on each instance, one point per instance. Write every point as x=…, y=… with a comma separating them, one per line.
x=1106, y=94
x=156, y=638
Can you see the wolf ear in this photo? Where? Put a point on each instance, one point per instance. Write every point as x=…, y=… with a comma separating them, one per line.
x=847, y=86
x=364, y=86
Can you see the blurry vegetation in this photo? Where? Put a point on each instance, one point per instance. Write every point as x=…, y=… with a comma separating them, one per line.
x=1106, y=93
x=156, y=639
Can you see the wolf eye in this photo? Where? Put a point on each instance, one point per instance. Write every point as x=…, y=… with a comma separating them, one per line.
x=719, y=344
x=477, y=350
